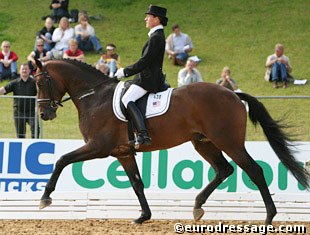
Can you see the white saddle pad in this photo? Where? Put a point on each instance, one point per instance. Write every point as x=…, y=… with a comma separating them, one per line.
x=157, y=104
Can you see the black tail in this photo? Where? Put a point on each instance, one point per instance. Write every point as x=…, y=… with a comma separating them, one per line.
x=279, y=141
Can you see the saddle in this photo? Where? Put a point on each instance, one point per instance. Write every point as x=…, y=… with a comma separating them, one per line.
x=141, y=104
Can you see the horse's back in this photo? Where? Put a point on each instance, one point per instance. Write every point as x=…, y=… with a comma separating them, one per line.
x=208, y=96
x=210, y=109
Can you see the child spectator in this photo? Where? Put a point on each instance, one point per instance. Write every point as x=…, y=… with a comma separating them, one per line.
x=8, y=61
x=73, y=52
x=111, y=58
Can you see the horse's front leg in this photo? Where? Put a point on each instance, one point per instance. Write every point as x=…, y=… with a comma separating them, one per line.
x=87, y=152
x=130, y=166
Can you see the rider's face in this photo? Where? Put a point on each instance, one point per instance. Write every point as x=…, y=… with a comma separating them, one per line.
x=151, y=21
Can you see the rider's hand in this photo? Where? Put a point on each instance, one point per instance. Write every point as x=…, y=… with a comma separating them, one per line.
x=120, y=73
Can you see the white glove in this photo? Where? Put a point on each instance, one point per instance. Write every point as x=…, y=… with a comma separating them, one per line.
x=120, y=73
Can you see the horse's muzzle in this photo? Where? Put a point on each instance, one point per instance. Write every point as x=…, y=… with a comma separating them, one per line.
x=49, y=115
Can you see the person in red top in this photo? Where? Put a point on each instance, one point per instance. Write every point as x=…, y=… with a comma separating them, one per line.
x=73, y=52
x=8, y=62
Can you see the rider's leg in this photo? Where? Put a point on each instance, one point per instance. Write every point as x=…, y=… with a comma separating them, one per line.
x=134, y=93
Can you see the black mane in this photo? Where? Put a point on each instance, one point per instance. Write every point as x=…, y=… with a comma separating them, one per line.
x=88, y=67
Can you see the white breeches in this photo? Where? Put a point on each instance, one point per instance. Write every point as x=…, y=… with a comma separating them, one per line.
x=134, y=93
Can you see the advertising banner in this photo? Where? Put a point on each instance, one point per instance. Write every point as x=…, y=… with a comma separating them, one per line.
x=26, y=165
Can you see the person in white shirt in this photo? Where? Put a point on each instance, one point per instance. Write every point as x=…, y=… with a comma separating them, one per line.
x=85, y=35
x=189, y=74
x=61, y=37
x=178, y=45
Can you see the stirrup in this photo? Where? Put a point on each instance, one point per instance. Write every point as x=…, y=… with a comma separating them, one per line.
x=142, y=138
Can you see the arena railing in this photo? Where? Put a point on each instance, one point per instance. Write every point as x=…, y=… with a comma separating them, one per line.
x=65, y=126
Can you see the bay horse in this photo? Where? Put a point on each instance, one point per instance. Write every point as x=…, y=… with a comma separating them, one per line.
x=213, y=118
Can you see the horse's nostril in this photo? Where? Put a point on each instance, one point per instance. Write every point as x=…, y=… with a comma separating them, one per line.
x=42, y=115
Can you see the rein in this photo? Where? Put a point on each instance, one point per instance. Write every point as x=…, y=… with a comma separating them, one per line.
x=55, y=103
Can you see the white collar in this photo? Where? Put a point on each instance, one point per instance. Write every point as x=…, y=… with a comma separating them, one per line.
x=154, y=29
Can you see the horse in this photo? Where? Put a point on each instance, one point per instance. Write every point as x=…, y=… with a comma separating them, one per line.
x=213, y=118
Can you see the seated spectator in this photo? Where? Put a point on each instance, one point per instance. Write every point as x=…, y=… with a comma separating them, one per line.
x=189, y=74
x=61, y=37
x=178, y=45
x=24, y=108
x=8, y=62
x=74, y=52
x=60, y=9
x=226, y=80
x=46, y=34
x=39, y=53
x=103, y=67
x=278, y=66
x=111, y=58
x=85, y=35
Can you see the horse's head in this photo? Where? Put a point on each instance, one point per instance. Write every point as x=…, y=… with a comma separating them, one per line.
x=48, y=95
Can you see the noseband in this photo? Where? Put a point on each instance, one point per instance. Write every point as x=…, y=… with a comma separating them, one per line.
x=51, y=101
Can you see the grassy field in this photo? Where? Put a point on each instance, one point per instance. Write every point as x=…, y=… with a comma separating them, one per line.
x=236, y=33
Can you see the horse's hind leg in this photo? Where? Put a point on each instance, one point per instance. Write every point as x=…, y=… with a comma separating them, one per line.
x=255, y=172
x=130, y=166
x=222, y=170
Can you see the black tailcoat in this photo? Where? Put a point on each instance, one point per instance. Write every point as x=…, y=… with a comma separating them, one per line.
x=148, y=68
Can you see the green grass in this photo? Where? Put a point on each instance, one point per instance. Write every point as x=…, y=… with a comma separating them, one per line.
x=237, y=33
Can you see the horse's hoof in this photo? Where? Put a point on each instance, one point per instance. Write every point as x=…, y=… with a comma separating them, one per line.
x=198, y=213
x=141, y=219
x=45, y=203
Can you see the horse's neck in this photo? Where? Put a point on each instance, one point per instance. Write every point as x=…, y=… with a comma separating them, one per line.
x=96, y=94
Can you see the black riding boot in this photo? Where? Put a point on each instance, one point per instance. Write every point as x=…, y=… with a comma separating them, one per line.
x=138, y=120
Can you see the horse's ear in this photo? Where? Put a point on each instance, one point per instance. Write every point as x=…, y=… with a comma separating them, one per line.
x=39, y=64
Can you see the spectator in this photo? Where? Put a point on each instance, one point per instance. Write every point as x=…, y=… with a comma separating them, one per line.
x=103, y=67
x=189, y=74
x=46, y=34
x=85, y=35
x=8, y=61
x=111, y=58
x=226, y=80
x=61, y=37
x=73, y=52
x=278, y=66
x=60, y=9
x=39, y=53
x=178, y=45
x=24, y=108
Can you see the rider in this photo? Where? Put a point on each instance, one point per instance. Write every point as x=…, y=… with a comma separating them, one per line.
x=148, y=70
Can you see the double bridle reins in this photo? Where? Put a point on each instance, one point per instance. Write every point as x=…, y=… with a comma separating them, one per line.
x=55, y=103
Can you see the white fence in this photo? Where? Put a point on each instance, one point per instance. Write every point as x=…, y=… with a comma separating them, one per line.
x=107, y=205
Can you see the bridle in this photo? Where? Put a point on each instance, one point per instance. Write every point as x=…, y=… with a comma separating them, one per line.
x=54, y=104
